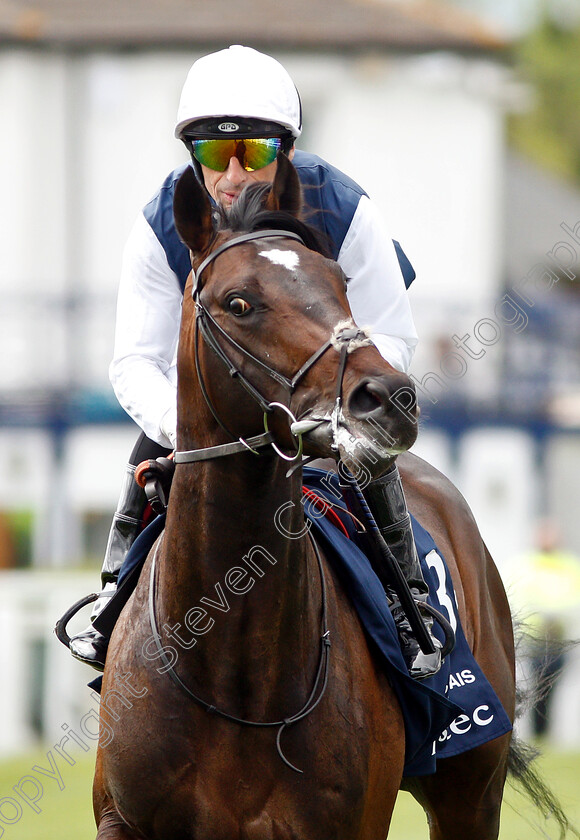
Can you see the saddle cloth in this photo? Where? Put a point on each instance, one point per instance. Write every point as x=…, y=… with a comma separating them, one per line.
x=447, y=714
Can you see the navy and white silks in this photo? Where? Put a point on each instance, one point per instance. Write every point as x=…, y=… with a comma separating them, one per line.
x=156, y=265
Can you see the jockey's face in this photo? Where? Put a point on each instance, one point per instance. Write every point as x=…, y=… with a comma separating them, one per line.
x=225, y=187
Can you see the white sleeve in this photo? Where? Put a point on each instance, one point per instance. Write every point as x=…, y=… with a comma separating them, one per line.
x=143, y=372
x=376, y=289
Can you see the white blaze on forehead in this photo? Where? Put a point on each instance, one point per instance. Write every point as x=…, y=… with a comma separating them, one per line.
x=289, y=259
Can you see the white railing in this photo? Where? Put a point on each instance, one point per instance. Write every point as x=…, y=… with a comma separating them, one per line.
x=44, y=690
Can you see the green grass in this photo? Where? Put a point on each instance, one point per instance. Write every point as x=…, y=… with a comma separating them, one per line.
x=561, y=771
x=66, y=813
x=65, y=805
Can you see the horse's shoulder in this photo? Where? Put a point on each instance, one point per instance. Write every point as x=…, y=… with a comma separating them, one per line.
x=422, y=480
x=443, y=511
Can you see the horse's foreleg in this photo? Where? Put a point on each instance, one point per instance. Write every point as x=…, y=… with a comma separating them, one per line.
x=110, y=824
x=112, y=827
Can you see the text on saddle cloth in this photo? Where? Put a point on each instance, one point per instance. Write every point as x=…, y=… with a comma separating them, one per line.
x=476, y=714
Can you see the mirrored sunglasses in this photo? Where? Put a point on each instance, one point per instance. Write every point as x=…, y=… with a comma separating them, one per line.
x=252, y=154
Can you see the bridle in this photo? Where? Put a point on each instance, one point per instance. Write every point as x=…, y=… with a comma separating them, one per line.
x=344, y=336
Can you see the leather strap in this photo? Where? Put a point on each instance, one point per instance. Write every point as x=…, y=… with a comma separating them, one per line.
x=239, y=240
x=320, y=679
x=188, y=456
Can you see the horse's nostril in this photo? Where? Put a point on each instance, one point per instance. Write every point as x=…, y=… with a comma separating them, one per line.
x=363, y=401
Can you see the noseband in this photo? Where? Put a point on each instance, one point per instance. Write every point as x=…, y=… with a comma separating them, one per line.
x=343, y=337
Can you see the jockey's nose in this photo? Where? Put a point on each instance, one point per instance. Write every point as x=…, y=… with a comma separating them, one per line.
x=236, y=174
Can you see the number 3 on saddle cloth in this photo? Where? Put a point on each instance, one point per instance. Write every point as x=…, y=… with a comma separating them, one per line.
x=449, y=713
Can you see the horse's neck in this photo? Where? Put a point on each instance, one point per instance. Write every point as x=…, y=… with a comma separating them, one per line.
x=220, y=513
x=233, y=563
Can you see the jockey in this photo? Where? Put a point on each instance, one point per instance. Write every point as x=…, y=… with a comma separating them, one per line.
x=238, y=109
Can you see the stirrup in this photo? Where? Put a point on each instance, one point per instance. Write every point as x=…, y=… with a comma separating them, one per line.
x=90, y=646
x=97, y=654
x=422, y=665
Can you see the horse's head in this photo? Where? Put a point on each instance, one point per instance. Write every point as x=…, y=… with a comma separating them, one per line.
x=267, y=305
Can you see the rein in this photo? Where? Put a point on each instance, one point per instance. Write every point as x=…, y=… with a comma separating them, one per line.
x=345, y=338
x=320, y=679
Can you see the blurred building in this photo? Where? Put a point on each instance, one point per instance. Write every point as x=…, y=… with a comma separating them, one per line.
x=410, y=99
x=519, y=16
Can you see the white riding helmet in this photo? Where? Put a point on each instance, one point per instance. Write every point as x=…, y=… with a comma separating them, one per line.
x=239, y=82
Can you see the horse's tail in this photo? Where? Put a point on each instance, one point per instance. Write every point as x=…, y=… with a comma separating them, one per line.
x=523, y=775
x=522, y=772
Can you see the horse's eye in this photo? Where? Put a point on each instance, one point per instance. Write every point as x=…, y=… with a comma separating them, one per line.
x=239, y=306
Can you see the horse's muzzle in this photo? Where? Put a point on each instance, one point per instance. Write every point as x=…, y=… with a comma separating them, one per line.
x=377, y=422
x=390, y=401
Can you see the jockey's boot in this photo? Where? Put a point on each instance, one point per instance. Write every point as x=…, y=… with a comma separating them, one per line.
x=386, y=500
x=90, y=646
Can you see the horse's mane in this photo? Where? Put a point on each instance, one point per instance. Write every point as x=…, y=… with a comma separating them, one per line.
x=248, y=214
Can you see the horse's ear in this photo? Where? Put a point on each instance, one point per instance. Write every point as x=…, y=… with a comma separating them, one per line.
x=286, y=192
x=192, y=212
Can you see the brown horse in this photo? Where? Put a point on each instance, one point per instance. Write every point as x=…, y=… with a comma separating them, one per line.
x=233, y=611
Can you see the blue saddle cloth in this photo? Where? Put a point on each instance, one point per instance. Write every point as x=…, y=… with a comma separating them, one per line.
x=447, y=714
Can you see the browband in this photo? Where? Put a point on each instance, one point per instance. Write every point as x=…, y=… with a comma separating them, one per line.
x=239, y=240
